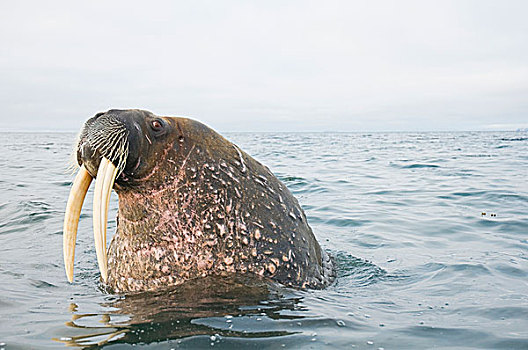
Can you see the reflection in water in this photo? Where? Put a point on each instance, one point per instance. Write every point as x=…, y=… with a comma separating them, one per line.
x=204, y=306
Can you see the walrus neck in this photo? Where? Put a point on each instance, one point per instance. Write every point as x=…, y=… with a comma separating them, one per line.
x=149, y=212
x=166, y=236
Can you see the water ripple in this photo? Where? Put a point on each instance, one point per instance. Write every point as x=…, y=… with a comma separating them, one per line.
x=421, y=260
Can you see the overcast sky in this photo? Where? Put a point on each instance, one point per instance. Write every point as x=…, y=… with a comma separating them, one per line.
x=268, y=65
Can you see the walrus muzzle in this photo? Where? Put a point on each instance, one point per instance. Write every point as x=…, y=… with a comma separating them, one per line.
x=103, y=142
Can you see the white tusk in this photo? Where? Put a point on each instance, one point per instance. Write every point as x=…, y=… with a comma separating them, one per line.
x=104, y=182
x=71, y=218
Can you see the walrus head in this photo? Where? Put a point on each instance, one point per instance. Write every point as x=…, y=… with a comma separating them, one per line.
x=191, y=204
x=120, y=148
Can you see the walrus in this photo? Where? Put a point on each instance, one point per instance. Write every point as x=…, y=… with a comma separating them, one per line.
x=191, y=204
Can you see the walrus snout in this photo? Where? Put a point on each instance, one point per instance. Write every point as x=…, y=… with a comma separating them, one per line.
x=104, y=135
x=120, y=136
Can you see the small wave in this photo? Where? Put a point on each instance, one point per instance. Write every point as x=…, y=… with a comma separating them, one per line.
x=452, y=336
x=343, y=222
x=495, y=313
x=293, y=180
x=467, y=269
x=381, y=192
x=441, y=274
x=511, y=271
x=300, y=185
x=41, y=284
x=29, y=212
x=35, y=204
x=415, y=166
x=352, y=271
x=62, y=183
x=479, y=155
x=469, y=193
x=439, y=271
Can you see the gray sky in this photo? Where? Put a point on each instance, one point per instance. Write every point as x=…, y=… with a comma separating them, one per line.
x=268, y=65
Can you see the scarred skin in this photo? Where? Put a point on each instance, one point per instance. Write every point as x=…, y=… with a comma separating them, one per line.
x=193, y=204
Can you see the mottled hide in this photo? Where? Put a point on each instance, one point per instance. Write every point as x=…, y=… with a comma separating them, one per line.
x=192, y=204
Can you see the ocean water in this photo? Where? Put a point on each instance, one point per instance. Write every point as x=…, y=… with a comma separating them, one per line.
x=429, y=231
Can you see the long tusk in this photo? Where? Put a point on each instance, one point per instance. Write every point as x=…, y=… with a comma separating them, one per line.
x=104, y=182
x=71, y=218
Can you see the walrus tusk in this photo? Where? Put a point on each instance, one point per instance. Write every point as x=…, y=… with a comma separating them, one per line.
x=104, y=182
x=71, y=218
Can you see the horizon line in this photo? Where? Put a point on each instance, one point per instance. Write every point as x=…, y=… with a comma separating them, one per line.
x=282, y=132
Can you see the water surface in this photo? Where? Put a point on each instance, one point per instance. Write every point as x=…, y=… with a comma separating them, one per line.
x=429, y=230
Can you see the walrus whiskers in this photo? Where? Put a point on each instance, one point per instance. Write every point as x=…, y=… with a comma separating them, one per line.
x=114, y=148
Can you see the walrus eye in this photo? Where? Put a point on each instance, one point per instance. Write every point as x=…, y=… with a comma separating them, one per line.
x=156, y=125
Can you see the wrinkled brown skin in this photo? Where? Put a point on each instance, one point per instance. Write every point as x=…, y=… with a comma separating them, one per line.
x=201, y=206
